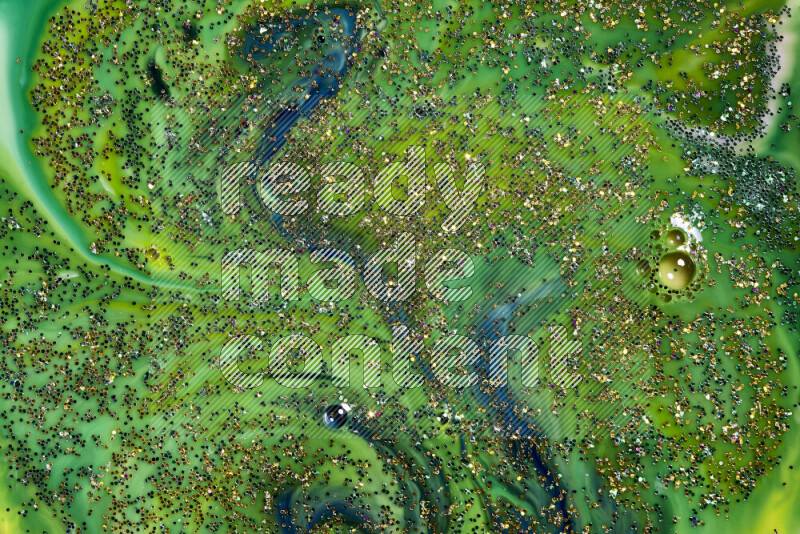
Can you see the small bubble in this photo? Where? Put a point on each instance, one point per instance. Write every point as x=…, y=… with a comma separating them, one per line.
x=676, y=238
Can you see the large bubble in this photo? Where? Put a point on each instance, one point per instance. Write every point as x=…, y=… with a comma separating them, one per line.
x=676, y=270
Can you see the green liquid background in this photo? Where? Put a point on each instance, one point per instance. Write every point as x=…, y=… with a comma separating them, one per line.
x=771, y=507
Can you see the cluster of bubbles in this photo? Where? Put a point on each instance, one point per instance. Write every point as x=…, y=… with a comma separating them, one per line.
x=671, y=270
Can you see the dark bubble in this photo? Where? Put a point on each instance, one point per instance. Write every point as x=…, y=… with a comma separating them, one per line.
x=335, y=416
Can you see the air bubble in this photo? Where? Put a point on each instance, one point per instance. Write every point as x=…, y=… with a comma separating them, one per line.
x=676, y=270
